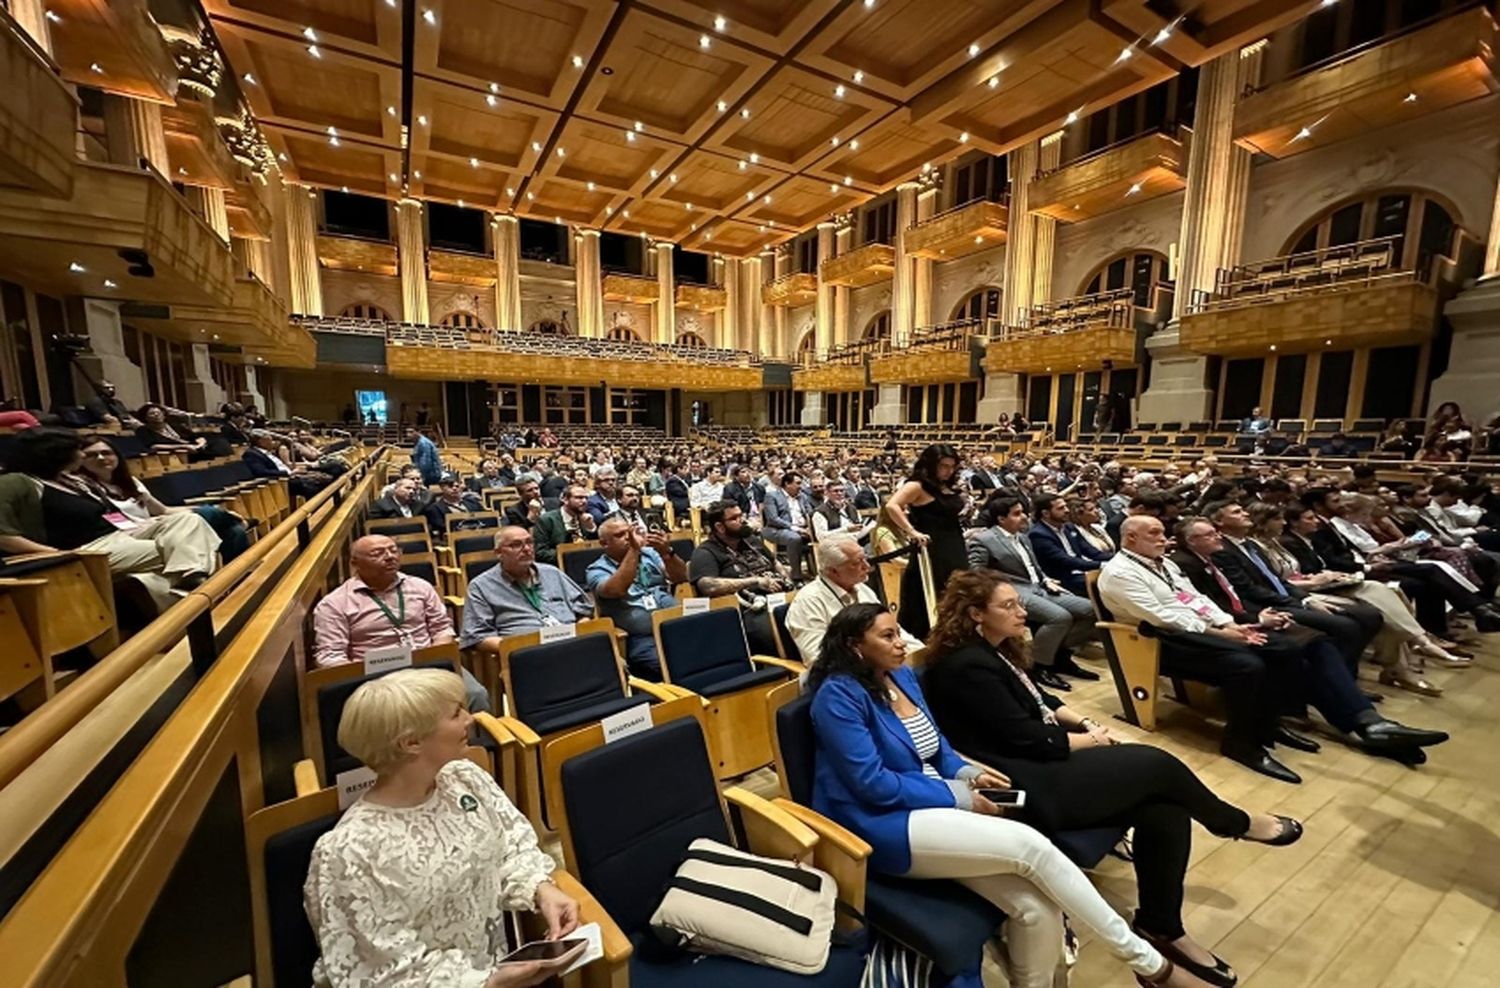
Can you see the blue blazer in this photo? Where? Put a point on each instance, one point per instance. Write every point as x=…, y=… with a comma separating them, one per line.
x=1054, y=558
x=867, y=775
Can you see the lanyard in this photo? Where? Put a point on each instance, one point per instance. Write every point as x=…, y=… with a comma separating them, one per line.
x=1160, y=576
x=397, y=620
x=532, y=594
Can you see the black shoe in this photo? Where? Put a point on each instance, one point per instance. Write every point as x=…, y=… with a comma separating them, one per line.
x=1293, y=740
x=1486, y=619
x=1221, y=974
x=1389, y=734
x=1068, y=667
x=1257, y=760
x=1411, y=757
x=191, y=581
x=1290, y=833
x=1375, y=697
x=1046, y=677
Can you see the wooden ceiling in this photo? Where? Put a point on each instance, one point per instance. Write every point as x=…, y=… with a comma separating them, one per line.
x=720, y=125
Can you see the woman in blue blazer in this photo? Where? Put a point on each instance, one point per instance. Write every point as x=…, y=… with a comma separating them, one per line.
x=885, y=772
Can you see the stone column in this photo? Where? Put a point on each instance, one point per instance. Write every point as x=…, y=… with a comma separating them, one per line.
x=766, y=327
x=814, y=412
x=921, y=267
x=901, y=280
x=729, y=317
x=31, y=15
x=823, y=331
x=1044, y=228
x=1474, y=356
x=1002, y=393
x=209, y=204
x=783, y=267
x=890, y=408
x=105, y=359
x=507, y=236
x=666, y=304
x=280, y=245
x=306, y=294
x=843, y=241
x=133, y=131
x=1020, y=241
x=1213, y=212
x=411, y=250
x=588, y=278
x=203, y=392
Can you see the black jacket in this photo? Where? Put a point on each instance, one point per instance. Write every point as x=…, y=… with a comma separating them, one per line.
x=1203, y=581
x=1254, y=589
x=1309, y=559
x=985, y=711
x=1336, y=552
x=386, y=507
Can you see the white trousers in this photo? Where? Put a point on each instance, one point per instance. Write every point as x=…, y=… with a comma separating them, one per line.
x=1019, y=870
x=173, y=545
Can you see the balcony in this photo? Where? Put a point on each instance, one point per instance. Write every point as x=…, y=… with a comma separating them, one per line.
x=37, y=117
x=123, y=233
x=255, y=320
x=791, y=290
x=1132, y=171
x=1353, y=295
x=634, y=288
x=354, y=254
x=1072, y=334
x=961, y=231
x=249, y=217
x=452, y=268
x=861, y=266
x=930, y=355
x=1449, y=61
x=197, y=153
x=703, y=298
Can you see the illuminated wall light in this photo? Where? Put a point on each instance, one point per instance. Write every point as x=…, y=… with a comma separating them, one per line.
x=720, y=24
x=704, y=41
x=973, y=49
x=310, y=35
x=429, y=16
x=313, y=51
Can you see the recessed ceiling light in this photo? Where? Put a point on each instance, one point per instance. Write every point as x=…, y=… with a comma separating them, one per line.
x=96, y=68
x=429, y=16
x=110, y=284
x=494, y=87
x=1303, y=134
x=854, y=144
x=473, y=162
x=744, y=164
x=1134, y=189
x=394, y=178
x=1410, y=98
x=766, y=200
x=654, y=173
x=1125, y=53
x=536, y=145
x=745, y=113
x=492, y=100
x=181, y=171
x=609, y=210
x=313, y=51
x=591, y=186
x=310, y=35
x=1273, y=345
x=833, y=186
x=979, y=238
x=577, y=61
x=630, y=136
x=510, y=191
x=417, y=175
x=1164, y=34
x=704, y=41
x=249, y=79
x=281, y=156
x=531, y=197
x=973, y=49
x=848, y=180
x=749, y=196
x=344, y=189
x=754, y=158
x=422, y=120
x=963, y=138
x=838, y=91
x=562, y=152
x=672, y=178
x=994, y=81
x=859, y=76
x=720, y=23
x=626, y=214
x=1071, y=118
x=834, y=140
x=461, y=204
x=390, y=111
x=763, y=226
x=76, y=268
x=52, y=16
x=869, y=4
x=639, y=126
x=723, y=106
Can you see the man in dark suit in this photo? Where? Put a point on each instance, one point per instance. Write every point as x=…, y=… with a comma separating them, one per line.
x=452, y=499
x=1293, y=653
x=1064, y=554
x=676, y=491
x=401, y=502
x=1351, y=624
x=861, y=490
x=569, y=523
x=986, y=476
x=788, y=522
x=524, y=513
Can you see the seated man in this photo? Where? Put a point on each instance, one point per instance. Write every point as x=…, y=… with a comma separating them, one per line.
x=106, y=408
x=1255, y=423
x=379, y=606
x=569, y=523
x=727, y=562
x=525, y=512
x=708, y=490
x=604, y=501
x=1350, y=624
x=634, y=577
x=489, y=477
x=788, y=521
x=451, y=499
x=1060, y=620
x=261, y=458
x=401, y=502
x=838, y=514
x=518, y=595
x=1064, y=553
x=630, y=509
x=843, y=576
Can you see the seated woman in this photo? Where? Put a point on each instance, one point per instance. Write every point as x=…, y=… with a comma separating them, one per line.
x=109, y=473
x=410, y=888
x=885, y=772
x=161, y=436
x=1076, y=775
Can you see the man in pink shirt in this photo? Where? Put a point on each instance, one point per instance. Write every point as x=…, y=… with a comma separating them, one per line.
x=379, y=606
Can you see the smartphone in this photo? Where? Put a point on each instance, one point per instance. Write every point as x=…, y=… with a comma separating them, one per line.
x=1421, y=535
x=1004, y=797
x=542, y=950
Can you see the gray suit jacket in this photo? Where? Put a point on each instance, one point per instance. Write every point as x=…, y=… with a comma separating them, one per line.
x=992, y=550
x=777, y=510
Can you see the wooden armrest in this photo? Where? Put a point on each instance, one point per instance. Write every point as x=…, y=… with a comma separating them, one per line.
x=523, y=734
x=835, y=834
x=453, y=601
x=305, y=777
x=491, y=725
x=769, y=829
x=795, y=668
x=1117, y=626
x=617, y=947
x=660, y=692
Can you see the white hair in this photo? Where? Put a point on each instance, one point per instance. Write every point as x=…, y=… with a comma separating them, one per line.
x=834, y=548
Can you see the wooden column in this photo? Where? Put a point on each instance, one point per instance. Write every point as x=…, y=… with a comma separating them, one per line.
x=843, y=242
x=1044, y=228
x=765, y=335
x=306, y=294
x=1020, y=241
x=411, y=250
x=823, y=327
x=921, y=267
x=133, y=131
x=729, y=318
x=507, y=236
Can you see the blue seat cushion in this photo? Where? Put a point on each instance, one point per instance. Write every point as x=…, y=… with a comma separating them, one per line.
x=941, y=920
x=561, y=720
x=845, y=968
x=714, y=683
x=1086, y=848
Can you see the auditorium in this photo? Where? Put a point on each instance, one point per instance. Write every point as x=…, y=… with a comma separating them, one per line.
x=749, y=493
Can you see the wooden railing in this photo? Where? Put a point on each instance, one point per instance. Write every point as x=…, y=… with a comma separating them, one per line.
x=1362, y=264
x=1112, y=310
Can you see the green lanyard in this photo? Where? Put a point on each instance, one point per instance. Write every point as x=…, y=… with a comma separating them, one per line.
x=397, y=620
x=532, y=594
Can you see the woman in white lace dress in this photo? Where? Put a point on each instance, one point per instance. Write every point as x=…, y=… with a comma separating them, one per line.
x=410, y=888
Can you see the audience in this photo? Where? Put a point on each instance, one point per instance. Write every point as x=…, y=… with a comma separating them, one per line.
x=727, y=562
x=399, y=502
x=518, y=595
x=842, y=580
x=262, y=459
x=838, y=514
x=634, y=577
x=452, y=499
x=1062, y=550
x=604, y=500
x=788, y=521
x=571, y=522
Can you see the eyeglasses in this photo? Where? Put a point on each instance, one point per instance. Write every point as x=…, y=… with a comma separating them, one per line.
x=100, y=454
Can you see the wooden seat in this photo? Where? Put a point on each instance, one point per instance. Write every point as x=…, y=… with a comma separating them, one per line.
x=57, y=602
x=1134, y=659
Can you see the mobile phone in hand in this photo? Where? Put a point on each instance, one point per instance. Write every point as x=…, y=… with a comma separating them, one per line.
x=1004, y=797
x=542, y=950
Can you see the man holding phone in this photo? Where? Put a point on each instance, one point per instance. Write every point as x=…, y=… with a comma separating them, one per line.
x=634, y=577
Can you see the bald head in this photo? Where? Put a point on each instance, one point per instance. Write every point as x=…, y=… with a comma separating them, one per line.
x=376, y=560
x=515, y=550
x=1144, y=535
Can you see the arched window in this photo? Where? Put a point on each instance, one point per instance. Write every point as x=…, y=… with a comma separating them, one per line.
x=1423, y=226
x=878, y=328
x=807, y=348
x=549, y=327
x=622, y=333
x=1141, y=270
x=691, y=339
x=978, y=305
x=365, y=310
x=458, y=319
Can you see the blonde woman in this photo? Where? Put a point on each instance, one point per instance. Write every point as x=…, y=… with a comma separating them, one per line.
x=410, y=888
x=886, y=536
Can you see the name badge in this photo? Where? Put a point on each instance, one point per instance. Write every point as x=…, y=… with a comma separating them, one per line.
x=695, y=605
x=556, y=632
x=776, y=599
x=352, y=784
x=632, y=720
x=648, y=602
x=548, y=621
x=122, y=521
x=1199, y=608
x=387, y=658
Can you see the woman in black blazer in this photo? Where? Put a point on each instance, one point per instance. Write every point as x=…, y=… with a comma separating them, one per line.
x=1076, y=775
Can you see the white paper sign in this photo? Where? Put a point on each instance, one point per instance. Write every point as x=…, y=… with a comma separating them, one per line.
x=595, y=949
x=387, y=658
x=776, y=599
x=633, y=720
x=558, y=632
x=695, y=605
x=352, y=783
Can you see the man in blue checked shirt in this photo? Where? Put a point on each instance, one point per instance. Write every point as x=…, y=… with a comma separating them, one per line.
x=634, y=577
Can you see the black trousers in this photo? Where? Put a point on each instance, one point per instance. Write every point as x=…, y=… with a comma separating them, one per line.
x=1352, y=628
x=1130, y=785
x=1433, y=588
x=1252, y=706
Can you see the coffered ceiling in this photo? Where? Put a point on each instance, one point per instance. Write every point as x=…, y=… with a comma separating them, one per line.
x=722, y=125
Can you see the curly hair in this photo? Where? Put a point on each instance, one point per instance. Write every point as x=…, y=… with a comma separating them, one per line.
x=969, y=588
x=837, y=656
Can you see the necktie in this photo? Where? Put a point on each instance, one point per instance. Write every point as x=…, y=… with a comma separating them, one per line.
x=1253, y=551
x=1234, y=598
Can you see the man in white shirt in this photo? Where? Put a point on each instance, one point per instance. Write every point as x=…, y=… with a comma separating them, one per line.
x=837, y=514
x=708, y=490
x=841, y=582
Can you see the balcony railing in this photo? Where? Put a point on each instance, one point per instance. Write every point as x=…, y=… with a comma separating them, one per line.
x=962, y=230
x=1144, y=167
x=1116, y=309
x=1364, y=263
x=865, y=265
x=37, y=113
x=792, y=289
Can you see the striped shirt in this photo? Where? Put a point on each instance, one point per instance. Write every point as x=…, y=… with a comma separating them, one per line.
x=925, y=737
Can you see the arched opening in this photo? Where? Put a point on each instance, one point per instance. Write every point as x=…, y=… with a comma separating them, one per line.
x=807, y=348
x=977, y=306
x=1140, y=270
x=878, y=328
x=691, y=339
x=550, y=327
x=622, y=333
x=1421, y=226
x=365, y=310
x=459, y=319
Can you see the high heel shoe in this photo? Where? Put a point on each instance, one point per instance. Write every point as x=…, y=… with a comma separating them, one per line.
x=1290, y=833
x=1410, y=682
